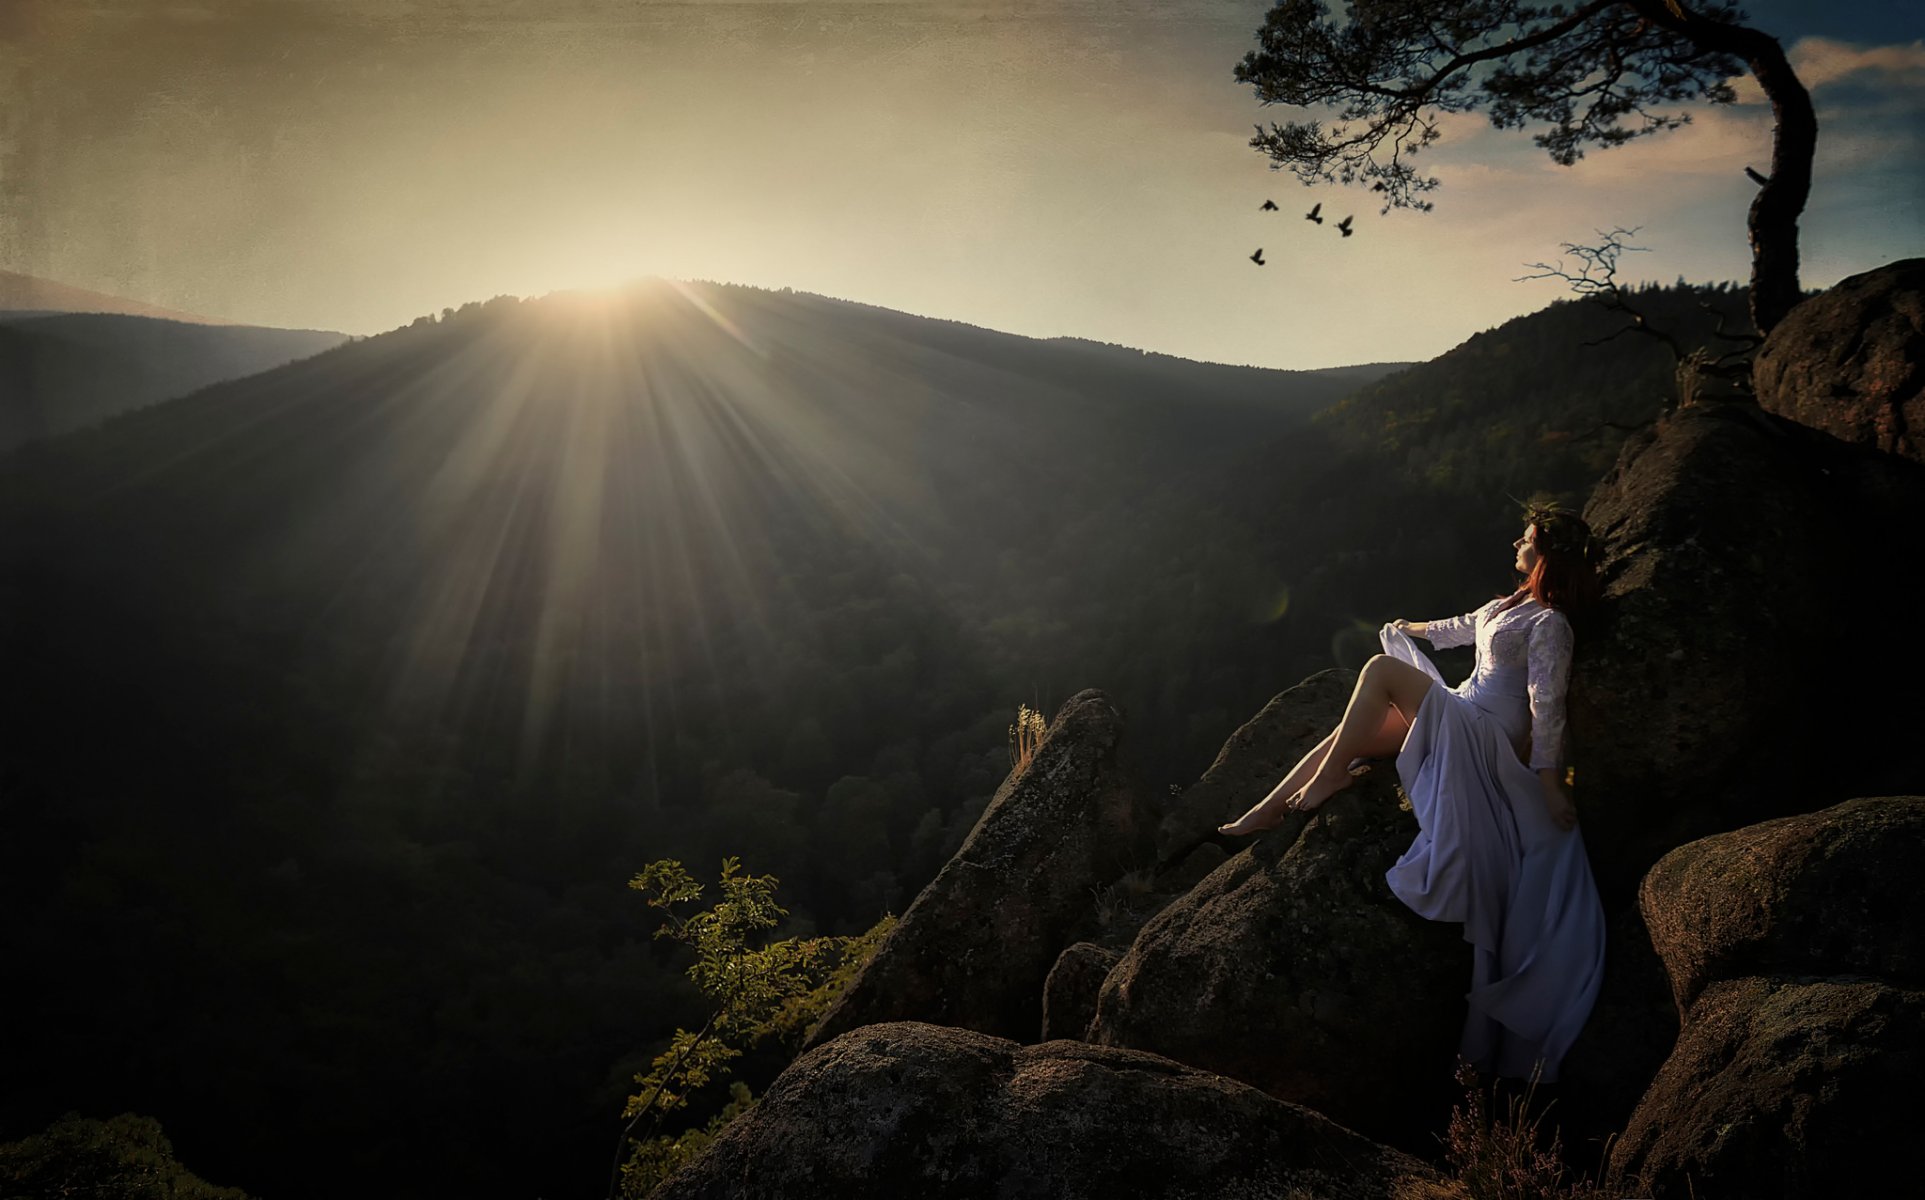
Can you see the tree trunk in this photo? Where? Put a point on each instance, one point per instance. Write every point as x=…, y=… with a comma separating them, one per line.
x=1776, y=208
x=1773, y=221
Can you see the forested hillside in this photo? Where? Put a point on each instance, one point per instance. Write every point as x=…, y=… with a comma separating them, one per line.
x=64, y=371
x=1240, y=578
x=347, y=697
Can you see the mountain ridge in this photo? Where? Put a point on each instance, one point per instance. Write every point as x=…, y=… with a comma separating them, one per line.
x=31, y=294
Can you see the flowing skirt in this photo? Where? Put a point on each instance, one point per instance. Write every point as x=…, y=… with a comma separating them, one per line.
x=1488, y=854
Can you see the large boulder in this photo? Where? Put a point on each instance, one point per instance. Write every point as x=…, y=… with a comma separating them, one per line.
x=1254, y=759
x=1784, y=1089
x=1292, y=967
x=1852, y=361
x=1735, y=544
x=975, y=946
x=1826, y=893
x=908, y=1109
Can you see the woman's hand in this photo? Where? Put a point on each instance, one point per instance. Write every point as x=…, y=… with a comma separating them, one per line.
x=1408, y=628
x=1563, y=812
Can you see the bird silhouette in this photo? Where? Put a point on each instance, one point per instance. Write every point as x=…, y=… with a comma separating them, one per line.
x=1756, y=178
x=1345, y=225
x=1269, y=206
x=1257, y=258
x=1314, y=210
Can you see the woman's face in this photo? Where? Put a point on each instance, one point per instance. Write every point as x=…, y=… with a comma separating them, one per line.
x=1526, y=548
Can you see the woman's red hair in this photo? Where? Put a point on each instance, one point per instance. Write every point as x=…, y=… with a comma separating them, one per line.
x=1564, y=576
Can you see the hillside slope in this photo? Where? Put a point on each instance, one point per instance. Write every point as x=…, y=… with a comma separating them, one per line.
x=62, y=372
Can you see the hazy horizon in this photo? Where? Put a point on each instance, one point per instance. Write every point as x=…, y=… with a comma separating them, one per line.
x=1058, y=169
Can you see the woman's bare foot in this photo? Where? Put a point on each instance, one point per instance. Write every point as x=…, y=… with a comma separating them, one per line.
x=1267, y=814
x=1326, y=784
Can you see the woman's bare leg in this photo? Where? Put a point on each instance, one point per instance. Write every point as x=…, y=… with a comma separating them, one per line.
x=1385, y=687
x=1268, y=812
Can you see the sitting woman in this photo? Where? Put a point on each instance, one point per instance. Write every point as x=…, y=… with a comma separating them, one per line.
x=1497, y=845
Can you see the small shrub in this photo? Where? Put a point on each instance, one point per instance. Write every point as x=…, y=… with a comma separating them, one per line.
x=1494, y=1158
x=777, y=990
x=124, y=1158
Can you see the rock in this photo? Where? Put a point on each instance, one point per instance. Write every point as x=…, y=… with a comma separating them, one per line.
x=1851, y=361
x=1254, y=759
x=908, y=1109
x=1734, y=547
x=1194, y=867
x=975, y=946
x=1782, y=1089
x=1069, y=994
x=1292, y=967
x=1827, y=893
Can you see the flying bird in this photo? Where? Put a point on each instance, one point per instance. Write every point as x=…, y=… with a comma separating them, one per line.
x=1269, y=206
x=1314, y=210
x=1257, y=258
x=1345, y=225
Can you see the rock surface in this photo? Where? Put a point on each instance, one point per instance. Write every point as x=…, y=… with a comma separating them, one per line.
x=1827, y=893
x=1852, y=361
x=907, y=1109
x=1733, y=547
x=1783, y=1089
x=975, y=947
x=1292, y=967
x=1069, y=994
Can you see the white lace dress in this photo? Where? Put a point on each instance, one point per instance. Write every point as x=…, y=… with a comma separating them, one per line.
x=1487, y=851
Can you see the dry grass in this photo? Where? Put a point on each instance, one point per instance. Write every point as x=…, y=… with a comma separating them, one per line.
x=1508, y=1158
x=1024, y=736
x=1115, y=899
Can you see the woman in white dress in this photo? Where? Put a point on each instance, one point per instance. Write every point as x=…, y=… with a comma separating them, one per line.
x=1498, y=846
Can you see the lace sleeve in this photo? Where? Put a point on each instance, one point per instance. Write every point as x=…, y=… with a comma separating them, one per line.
x=1454, y=631
x=1549, y=675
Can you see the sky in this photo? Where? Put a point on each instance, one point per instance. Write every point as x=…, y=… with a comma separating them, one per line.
x=1044, y=167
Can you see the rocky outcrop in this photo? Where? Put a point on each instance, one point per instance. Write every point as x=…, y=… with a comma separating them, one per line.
x=1783, y=1088
x=1714, y=691
x=1293, y=968
x=1852, y=361
x=1829, y=893
x=974, y=948
x=1794, y=949
x=1732, y=616
x=1254, y=758
x=1069, y=994
x=907, y=1109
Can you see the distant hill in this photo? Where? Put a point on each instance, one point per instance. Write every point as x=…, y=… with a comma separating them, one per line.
x=1285, y=557
x=27, y=295
x=65, y=371
x=336, y=684
x=344, y=698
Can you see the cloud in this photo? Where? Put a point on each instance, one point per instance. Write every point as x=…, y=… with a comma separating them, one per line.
x=1822, y=61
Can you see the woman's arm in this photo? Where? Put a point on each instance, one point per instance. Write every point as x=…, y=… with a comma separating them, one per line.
x=1452, y=631
x=1548, y=678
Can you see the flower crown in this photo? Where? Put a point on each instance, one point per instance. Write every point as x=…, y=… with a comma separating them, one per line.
x=1560, y=530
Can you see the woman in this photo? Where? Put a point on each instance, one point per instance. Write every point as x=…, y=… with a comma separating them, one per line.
x=1497, y=846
